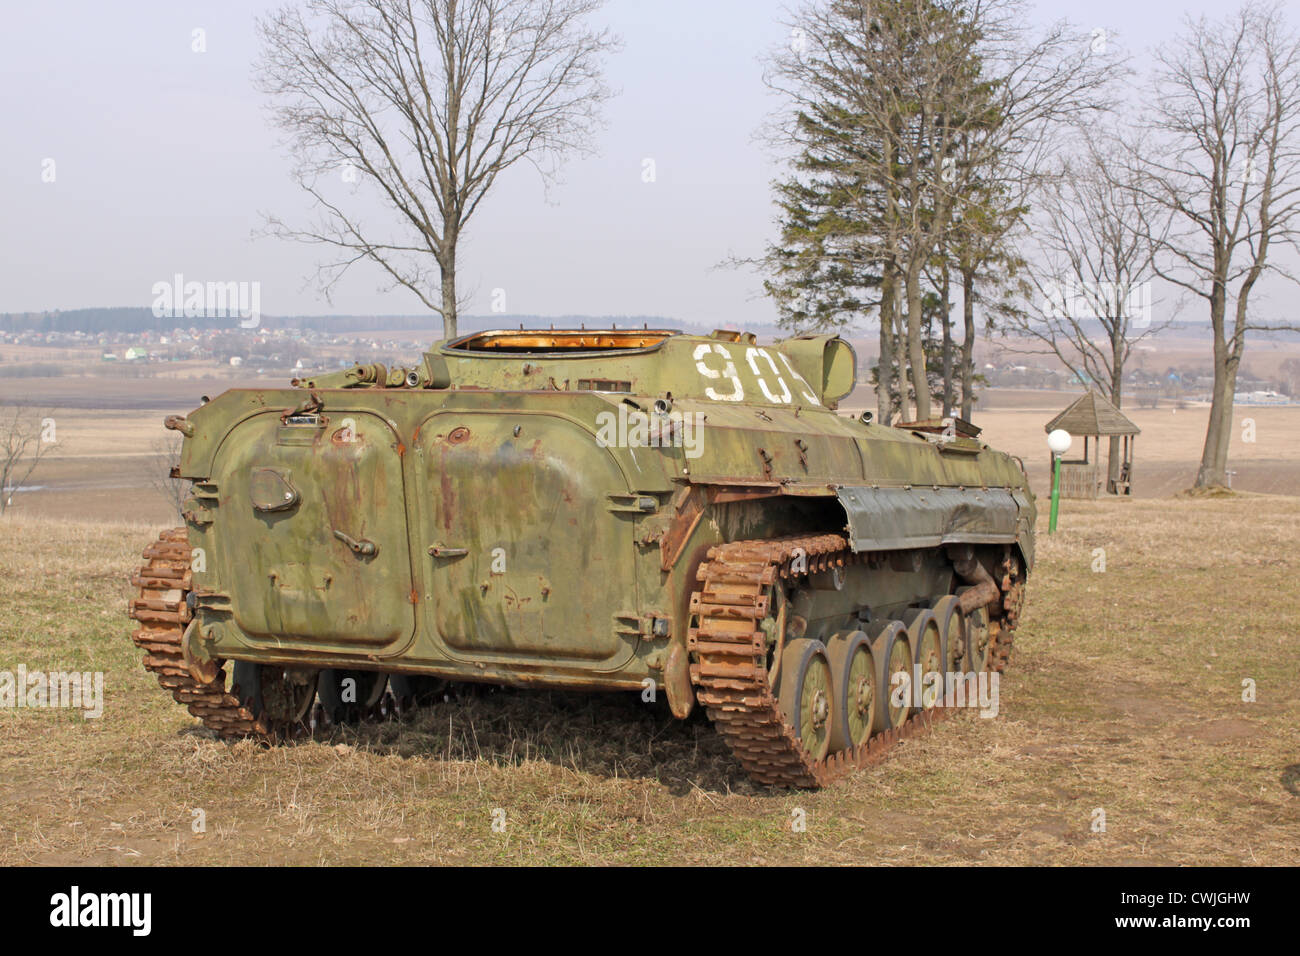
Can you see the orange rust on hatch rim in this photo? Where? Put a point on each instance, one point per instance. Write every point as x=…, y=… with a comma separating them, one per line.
x=559, y=340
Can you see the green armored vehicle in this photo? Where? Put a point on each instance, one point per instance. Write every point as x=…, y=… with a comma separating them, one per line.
x=639, y=511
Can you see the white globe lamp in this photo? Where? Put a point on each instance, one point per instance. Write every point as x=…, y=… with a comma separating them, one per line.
x=1059, y=441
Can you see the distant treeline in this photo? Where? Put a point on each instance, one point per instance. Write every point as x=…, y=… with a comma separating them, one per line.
x=130, y=319
x=31, y=370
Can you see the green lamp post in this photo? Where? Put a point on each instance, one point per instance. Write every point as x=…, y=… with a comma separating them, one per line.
x=1059, y=442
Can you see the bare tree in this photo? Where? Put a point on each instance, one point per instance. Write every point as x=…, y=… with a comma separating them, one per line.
x=167, y=458
x=1223, y=174
x=25, y=438
x=424, y=103
x=1090, y=283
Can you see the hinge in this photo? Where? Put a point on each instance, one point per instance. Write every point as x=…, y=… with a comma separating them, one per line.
x=205, y=490
x=648, y=627
x=635, y=503
x=211, y=600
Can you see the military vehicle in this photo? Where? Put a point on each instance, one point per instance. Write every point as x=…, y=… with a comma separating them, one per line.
x=680, y=516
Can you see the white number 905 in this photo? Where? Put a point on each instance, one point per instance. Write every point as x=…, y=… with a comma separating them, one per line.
x=781, y=396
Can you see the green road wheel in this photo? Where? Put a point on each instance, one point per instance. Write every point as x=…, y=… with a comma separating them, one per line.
x=928, y=656
x=805, y=694
x=893, y=657
x=853, y=672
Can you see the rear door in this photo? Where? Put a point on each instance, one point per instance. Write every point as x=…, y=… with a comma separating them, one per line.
x=310, y=533
x=526, y=560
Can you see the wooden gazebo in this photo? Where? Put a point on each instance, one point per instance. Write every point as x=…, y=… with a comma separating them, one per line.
x=1093, y=417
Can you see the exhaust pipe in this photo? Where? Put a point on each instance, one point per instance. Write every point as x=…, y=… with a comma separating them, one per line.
x=984, y=591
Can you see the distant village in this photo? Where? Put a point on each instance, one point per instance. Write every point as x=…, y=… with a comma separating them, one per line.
x=255, y=350
x=297, y=349
x=1148, y=388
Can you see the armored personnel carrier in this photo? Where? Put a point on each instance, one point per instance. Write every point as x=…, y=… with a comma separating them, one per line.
x=621, y=510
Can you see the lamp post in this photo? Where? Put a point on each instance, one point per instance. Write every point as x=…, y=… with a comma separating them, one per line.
x=1059, y=442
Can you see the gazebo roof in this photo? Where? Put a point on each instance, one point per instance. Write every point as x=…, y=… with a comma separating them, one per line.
x=1093, y=415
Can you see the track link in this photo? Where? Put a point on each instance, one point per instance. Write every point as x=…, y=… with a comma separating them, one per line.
x=163, y=614
x=730, y=670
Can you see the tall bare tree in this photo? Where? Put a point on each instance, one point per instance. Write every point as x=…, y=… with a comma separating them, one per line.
x=26, y=437
x=423, y=104
x=1222, y=171
x=1090, y=281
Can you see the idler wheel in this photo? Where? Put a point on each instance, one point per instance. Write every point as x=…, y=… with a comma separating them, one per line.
x=806, y=694
x=853, y=671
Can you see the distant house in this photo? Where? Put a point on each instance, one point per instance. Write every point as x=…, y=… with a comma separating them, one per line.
x=1260, y=397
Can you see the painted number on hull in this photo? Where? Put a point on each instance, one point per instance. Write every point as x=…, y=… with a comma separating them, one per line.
x=714, y=362
x=727, y=371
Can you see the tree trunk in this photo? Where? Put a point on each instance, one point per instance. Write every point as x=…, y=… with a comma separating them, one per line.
x=968, y=344
x=447, y=266
x=915, y=347
x=945, y=319
x=1214, y=454
x=885, y=369
x=1116, y=399
x=900, y=352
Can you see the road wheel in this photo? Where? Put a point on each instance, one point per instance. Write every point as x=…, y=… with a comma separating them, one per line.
x=806, y=693
x=853, y=671
x=979, y=638
x=349, y=696
x=928, y=655
x=892, y=653
x=412, y=691
x=278, y=697
x=952, y=625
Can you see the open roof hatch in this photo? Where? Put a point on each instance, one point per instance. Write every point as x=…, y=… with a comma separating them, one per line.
x=535, y=341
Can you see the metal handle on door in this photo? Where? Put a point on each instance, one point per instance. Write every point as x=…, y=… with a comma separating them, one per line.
x=362, y=547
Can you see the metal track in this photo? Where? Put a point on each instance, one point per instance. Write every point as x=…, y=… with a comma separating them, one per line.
x=730, y=669
x=162, y=612
x=730, y=658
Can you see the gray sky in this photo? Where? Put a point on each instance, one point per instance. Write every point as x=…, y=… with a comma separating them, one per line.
x=164, y=159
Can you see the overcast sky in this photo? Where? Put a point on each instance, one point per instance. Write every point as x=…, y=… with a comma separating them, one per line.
x=164, y=160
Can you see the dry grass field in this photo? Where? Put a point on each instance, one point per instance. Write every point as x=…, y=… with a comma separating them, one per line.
x=1124, y=695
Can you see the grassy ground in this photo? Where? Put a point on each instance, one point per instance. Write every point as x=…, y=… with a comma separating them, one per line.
x=1125, y=695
